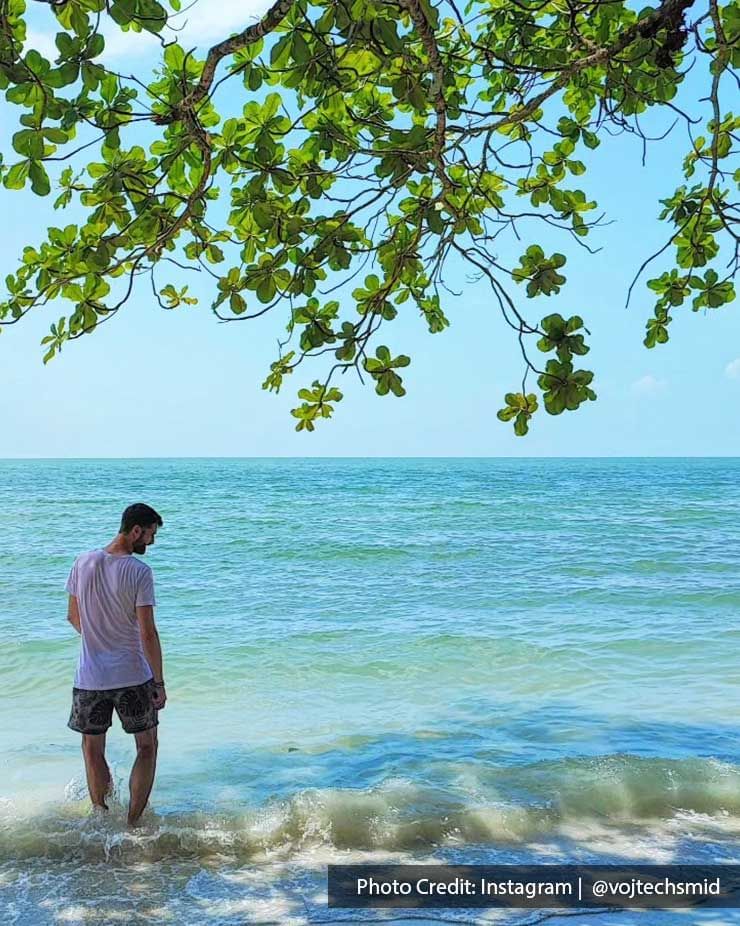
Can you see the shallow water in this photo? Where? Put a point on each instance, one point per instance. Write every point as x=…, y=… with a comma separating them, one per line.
x=458, y=660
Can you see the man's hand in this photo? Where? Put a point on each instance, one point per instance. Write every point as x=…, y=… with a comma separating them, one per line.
x=152, y=652
x=159, y=699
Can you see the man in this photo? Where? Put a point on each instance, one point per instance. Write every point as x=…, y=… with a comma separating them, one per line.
x=111, y=606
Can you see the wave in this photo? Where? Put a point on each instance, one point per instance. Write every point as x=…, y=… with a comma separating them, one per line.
x=399, y=815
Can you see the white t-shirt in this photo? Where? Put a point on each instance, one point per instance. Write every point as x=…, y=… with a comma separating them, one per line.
x=108, y=588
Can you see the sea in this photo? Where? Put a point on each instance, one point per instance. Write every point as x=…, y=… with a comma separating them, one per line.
x=468, y=661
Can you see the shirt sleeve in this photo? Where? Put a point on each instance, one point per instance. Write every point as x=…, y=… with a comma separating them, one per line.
x=145, y=589
x=71, y=585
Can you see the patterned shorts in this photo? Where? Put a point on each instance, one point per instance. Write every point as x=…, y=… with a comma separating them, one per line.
x=92, y=711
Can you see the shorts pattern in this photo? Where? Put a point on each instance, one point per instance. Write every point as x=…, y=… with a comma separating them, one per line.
x=92, y=711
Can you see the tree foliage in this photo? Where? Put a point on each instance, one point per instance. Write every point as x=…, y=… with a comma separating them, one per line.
x=365, y=146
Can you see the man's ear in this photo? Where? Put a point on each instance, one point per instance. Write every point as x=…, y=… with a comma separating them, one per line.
x=136, y=532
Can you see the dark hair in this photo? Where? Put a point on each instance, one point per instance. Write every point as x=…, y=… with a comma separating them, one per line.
x=141, y=515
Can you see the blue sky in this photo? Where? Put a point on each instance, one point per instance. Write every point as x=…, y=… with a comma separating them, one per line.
x=156, y=383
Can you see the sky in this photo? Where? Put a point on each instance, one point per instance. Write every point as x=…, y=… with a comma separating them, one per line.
x=152, y=383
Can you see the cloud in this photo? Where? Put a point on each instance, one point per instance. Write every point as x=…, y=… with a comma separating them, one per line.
x=206, y=22
x=649, y=385
x=732, y=370
x=43, y=42
x=122, y=47
x=210, y=20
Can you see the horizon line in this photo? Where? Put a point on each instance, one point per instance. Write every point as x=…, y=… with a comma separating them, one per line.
x=20, y=459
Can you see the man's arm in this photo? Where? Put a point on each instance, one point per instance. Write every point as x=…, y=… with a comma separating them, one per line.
x=73, y=613
x=152, y=649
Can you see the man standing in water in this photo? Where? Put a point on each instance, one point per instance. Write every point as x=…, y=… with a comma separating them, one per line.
x=111, y=605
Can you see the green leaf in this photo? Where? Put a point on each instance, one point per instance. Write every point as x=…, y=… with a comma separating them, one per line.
x=237, y=304
x=39, y=178
x=95, y=45
x=151, y=15
x=174, y=57
x=56, y=136
x=64, y=75
x=16, y=177
x=29, y=143
x=300, y=49
x=388, y=34
x=521, y=424
x=270, y=106
x=280, y=50
x=266, y=290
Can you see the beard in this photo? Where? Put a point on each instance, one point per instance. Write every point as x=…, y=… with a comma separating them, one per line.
x=139, y=548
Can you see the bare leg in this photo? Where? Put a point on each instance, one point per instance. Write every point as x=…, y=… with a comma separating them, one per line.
x=99, y=781
x=142, y=774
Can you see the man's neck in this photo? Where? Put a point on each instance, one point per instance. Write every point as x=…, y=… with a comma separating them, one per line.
x=120, y=546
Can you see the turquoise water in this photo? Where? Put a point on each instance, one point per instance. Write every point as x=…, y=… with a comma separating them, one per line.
x=377, y=660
